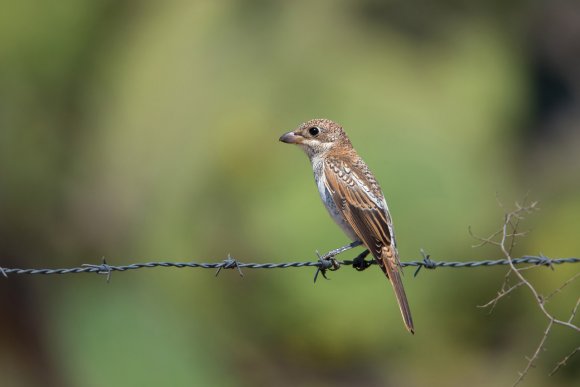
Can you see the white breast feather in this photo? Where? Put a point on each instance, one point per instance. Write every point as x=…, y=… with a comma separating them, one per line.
x=318, y=167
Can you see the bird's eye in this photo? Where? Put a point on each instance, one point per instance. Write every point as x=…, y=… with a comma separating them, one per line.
x=314, y=131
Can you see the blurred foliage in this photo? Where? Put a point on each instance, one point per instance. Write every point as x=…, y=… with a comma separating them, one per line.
x=148, y=130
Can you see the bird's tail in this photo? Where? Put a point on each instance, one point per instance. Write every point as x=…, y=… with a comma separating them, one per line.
x=392, y=270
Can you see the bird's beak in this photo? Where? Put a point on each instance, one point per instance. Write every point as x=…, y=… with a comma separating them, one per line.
x=291, y=138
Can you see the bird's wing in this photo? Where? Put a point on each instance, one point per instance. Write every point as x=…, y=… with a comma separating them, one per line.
x=362, y=204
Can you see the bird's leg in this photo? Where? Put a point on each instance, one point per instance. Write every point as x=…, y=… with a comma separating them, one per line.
x=333, y=253
x=359, y=262
x=328, y=262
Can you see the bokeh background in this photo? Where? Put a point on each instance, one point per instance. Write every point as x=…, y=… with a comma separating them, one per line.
x=148, y=130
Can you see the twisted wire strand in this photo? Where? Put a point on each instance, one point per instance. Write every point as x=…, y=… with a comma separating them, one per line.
x=324, y=263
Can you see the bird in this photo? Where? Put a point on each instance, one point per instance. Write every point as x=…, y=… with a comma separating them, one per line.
x=353, y=197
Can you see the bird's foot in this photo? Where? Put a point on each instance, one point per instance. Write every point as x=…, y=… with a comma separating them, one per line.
x=359, y=262
x=327, y=262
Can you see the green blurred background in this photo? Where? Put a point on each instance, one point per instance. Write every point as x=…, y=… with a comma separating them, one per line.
x=146, y=130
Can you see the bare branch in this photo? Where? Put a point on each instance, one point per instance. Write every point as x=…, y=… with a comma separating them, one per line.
x=484, y=241
x=506, y=238
x=502, y=293
x=559, y=290
x=563, y=362
x=536, y=354
x=574, y=311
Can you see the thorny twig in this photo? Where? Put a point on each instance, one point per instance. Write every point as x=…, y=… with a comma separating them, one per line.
x=536, y=354
x=563, y=362
x=505, y=239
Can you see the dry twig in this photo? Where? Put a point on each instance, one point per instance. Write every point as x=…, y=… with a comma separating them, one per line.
x=505, y=239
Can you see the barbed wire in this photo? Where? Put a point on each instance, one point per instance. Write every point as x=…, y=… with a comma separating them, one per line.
x=324, y=263
x=504, y=239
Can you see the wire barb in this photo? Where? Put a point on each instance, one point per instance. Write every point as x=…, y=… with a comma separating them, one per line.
x=427, y=263
x=545, y=261
x=103, y=268
x=229, y=263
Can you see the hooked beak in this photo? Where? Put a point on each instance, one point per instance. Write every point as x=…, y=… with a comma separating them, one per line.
x=291, y=138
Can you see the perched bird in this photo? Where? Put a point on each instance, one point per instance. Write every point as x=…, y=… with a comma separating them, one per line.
x=352, y=196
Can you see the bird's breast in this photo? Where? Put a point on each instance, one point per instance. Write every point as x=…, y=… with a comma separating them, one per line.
x=325, y=195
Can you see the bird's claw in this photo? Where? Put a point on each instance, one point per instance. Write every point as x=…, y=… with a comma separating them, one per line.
x=359, y=263
x=326, y=262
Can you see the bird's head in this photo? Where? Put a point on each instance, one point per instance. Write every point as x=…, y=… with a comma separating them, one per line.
x=318, y=136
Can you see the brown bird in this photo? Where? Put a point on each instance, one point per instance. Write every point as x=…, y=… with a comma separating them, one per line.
x=352, y=196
